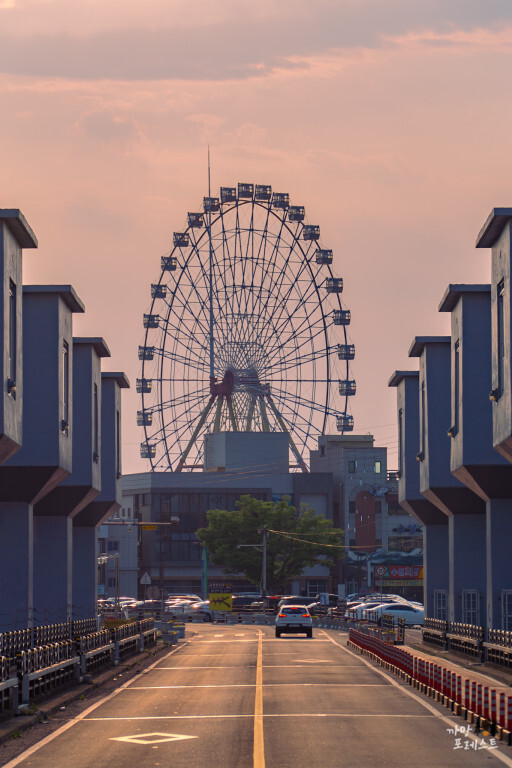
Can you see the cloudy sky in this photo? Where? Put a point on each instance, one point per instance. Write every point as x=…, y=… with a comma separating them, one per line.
x=390, y=120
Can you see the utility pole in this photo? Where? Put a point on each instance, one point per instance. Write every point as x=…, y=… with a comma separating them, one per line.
x=264, y=565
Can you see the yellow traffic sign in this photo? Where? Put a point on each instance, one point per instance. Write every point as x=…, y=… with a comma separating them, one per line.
x=220, y=601
x=148, y=527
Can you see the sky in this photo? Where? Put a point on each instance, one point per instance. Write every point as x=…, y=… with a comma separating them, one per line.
x=389, y=120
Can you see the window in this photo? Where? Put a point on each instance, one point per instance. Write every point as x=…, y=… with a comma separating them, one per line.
x=456, y=388
x=316, y=586
x=423, y=422
x=111, y=581
x=440, y=604
x=400, y=442
x=118, y=444
x=471, y=607
x=11, y=371
x=95, y=426
x=65, y=388
x=112, y=546
x=506, y=609
x=501, y=337
x=352, y=465
x=378, y=467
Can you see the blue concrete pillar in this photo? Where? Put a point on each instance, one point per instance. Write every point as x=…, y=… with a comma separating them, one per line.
x=85, y=571
x=499, y=559
x=53, y=556
x=435, y=564
x=16, y=556
x=467, y=555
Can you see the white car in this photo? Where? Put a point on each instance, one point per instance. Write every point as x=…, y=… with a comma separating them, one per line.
x=411, y=613
x=294, y=618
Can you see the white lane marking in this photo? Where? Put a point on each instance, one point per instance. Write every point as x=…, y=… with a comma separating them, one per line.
x=152, y=738
x=83, y=716
x=253, y=685
x=252, y=666
x=452, y=723
x=181, y=669
x=293, y=714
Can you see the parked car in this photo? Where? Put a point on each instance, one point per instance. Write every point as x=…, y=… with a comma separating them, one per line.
x=411, y=613
x=201, y=610
x=295, y=600
x=294, y=618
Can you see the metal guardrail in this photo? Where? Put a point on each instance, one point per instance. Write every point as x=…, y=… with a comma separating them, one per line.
x=29, y=672
x=491, y=645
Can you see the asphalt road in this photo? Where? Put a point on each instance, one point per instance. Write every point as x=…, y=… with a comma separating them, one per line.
x=236, y=696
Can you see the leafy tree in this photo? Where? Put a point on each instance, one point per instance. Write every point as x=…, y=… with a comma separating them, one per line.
x=301, y=541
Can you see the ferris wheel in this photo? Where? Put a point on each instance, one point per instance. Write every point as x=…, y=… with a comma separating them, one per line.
x=246, y=332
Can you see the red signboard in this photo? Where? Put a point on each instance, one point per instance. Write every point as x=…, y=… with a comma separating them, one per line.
x=399, y=571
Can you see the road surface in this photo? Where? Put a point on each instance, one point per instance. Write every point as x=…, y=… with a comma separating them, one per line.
x=237, y=697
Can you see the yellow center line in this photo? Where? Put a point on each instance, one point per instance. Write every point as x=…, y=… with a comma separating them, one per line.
x=259, y=750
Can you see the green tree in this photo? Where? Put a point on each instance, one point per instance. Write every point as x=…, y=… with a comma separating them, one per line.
x=295, y=540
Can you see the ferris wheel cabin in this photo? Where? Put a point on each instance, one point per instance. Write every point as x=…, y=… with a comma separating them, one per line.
x=346, y=351
x=345, y=422
x=281, y=200
x=323, y=256
x=341, y=317
x=195, y=220
x=245, y=191
x=180, y=240
x=147, y=450
x=151, y=321
x=158, y=292
x=262, y=192
x=296, y=212
x=347, y=387
x=143, y=386
x=228, y=194
x=144, y=418
x=169, y=263
x=311, y=232
x=211, y=204
x=334, y=285
x=146, y=353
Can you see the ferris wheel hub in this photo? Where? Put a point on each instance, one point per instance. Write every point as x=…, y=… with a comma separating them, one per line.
x=225, y=387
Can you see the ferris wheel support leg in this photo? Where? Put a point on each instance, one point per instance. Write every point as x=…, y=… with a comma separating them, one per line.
x=198, y=428
x=250, y=414
x=293, y=447
x=218, y=414
x=264, y=417
x=232, y=414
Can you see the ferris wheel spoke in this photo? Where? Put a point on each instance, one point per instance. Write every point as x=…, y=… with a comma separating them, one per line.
x=295, y=353
x=288, y=253
x=283, y=323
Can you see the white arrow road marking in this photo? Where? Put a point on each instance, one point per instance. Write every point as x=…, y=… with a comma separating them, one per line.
x=152, y=738
x=313, y=661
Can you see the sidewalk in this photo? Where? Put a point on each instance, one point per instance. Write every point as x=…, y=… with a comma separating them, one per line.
x=43, y=712
x=488, y=674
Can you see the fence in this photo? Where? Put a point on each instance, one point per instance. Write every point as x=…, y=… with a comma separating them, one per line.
x=63, y=653
x=491, y=645
x=484, y=705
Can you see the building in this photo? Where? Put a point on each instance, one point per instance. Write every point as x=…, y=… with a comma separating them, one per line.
x=383, y=542
x=59, y=446
x=164, y=509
